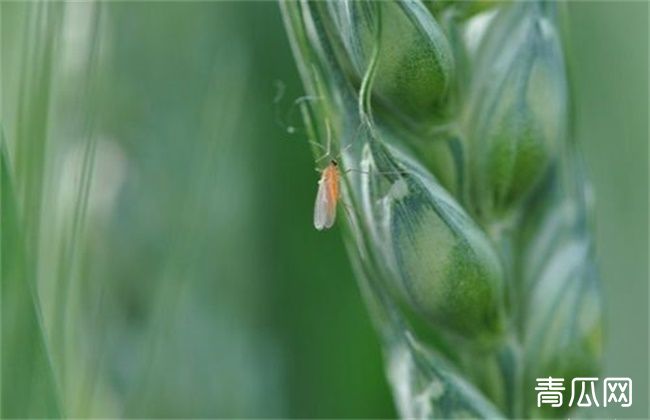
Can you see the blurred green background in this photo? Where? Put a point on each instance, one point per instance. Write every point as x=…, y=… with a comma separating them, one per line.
x=193, y=284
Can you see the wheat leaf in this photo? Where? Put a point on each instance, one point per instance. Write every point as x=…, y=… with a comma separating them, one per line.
x=28, y=383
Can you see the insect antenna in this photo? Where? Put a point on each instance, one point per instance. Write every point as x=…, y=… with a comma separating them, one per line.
x=284, y=119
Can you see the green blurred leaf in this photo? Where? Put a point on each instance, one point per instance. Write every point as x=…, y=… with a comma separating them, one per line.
x=28, y=383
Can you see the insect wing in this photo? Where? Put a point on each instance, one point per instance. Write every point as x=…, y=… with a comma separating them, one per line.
x=324, y=208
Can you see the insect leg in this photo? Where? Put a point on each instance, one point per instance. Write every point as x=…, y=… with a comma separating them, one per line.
x=378, y=172
x=328, y=150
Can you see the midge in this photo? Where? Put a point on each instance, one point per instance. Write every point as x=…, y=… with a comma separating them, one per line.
x=329, y=191
x=327, y=197
x=329, y=185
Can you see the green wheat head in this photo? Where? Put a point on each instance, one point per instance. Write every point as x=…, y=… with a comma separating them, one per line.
x=468, y=221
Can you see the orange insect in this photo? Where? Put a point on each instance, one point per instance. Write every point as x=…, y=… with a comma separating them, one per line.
x=329, y=190
x=327, y=197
